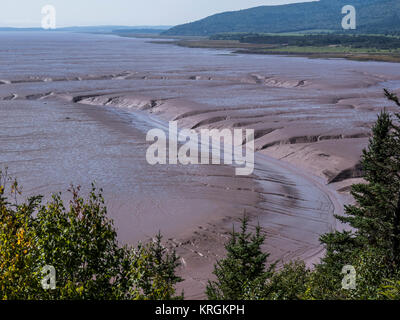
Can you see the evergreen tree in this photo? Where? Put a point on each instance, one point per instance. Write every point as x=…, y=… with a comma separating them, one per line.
x=374, y=220
x=395, y=235
x=289, y=283
x=151, y=272
x=244, y=268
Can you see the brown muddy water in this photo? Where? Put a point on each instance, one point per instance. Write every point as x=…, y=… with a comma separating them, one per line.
x=75, y=108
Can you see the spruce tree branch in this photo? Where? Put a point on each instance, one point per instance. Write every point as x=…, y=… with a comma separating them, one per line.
x=391, y=96
x=384, y=167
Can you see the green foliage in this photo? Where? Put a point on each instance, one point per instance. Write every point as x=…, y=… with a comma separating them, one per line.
x=373, y=220
x=390, y=290
x=371, y=244
x=81, y=244
x=371, y=267
x=17, y=250
x=151, y=272
x=243, y=269
x=289, y=283
x=315, y=40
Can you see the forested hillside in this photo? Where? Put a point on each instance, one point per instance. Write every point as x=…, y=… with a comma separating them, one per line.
x=373, y=16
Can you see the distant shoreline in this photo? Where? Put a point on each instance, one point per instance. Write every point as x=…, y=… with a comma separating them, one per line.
x=327, y=52
x=310, y=52
x=313, y=52
x=320, y=55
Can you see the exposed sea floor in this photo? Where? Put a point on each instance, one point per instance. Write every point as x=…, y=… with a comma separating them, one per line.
x=75, y=108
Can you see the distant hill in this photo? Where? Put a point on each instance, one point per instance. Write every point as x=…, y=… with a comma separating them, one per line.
x=373, y=16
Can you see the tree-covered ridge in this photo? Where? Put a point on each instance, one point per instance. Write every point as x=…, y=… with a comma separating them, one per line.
x=373, y=16
x=318, y=40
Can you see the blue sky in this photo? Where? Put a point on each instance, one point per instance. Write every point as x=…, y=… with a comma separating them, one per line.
x=27, y=13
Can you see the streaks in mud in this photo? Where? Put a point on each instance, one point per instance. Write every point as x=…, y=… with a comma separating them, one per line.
x=40, y=96
x=278, y=123
x=277, y=81
x=269, y=81
x=119, y=101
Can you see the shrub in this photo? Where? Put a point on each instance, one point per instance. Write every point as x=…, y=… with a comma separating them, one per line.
x=243, y=272
x=81, y=244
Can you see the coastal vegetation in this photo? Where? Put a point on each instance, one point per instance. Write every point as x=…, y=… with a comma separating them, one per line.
x=80, y=243
x=362, y=261
x=374, y=42
x=327, y=45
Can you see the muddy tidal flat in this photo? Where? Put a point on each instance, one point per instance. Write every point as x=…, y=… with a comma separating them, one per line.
x=75, y=108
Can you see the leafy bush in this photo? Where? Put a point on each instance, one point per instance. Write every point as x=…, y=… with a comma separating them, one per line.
x=18, y=272
x=81, y=244
x=289, y=283
x=390, y=290
x=151, y=273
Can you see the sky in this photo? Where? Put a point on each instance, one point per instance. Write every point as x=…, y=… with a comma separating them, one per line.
x=27, y=13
